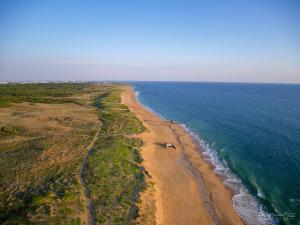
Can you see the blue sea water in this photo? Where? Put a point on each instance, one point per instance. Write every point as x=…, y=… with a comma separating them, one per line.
x=250, y=132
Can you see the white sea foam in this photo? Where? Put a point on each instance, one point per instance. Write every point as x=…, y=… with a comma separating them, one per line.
x=247, y=205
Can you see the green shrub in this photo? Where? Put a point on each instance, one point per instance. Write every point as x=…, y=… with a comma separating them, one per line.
x=7, y=131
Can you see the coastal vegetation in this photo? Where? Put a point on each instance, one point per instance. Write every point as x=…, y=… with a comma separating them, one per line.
x=113, y=174
x=45, y=131
x=40, y=93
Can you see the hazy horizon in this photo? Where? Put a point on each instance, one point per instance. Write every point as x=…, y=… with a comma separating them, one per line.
x=201, y=41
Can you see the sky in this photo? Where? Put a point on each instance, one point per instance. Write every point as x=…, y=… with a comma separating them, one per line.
x=217, y=41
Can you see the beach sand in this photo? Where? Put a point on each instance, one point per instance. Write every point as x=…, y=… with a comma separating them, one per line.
x=186, y=190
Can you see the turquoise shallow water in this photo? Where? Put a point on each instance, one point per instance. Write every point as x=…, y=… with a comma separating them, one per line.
x=250, y=132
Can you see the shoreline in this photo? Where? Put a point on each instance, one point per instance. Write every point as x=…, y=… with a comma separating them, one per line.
x=187, y=191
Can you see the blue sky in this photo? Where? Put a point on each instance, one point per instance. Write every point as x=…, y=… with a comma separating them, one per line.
x=233, y=41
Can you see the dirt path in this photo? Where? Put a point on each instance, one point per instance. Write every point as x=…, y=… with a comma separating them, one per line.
x=88, y=219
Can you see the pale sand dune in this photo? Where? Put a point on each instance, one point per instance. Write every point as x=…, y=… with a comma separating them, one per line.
x=187, y=191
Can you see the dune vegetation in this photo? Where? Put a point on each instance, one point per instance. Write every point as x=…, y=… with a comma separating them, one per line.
x=48, y=174
x=113, y=175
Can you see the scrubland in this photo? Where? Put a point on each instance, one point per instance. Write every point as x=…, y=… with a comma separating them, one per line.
x=45, y=131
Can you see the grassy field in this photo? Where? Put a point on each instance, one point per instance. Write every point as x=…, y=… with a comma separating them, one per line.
x=41, y=150
x=41, y=93
x=44, y=133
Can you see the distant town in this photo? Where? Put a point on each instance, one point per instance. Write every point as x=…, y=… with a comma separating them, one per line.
x=53, y=81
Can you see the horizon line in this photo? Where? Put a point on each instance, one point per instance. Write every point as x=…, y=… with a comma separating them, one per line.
x=156, y=81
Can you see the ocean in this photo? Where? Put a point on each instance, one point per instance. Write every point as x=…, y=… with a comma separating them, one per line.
x=249, y=132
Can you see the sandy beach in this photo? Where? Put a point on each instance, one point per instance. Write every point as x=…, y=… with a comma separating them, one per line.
x=186, y=190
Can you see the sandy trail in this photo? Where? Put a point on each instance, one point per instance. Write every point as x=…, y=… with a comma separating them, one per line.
x=187, y=191
x=88, y=219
